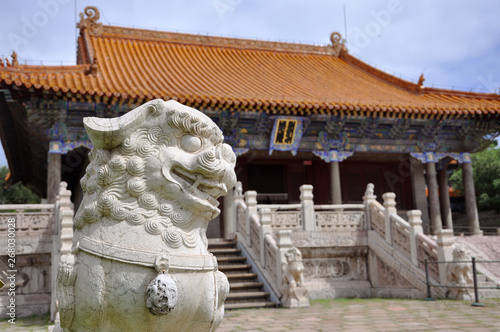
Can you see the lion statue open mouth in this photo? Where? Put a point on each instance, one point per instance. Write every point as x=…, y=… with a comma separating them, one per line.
x=140, y=260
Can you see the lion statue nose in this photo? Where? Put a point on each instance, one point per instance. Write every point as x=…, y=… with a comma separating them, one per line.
x=225, y=152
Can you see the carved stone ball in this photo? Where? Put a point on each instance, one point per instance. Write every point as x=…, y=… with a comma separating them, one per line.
x=161, y=295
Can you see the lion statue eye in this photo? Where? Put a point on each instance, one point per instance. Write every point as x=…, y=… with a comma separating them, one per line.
x=190, y=143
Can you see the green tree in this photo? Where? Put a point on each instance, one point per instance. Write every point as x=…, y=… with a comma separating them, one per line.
x=16, y=193
x=486, y=172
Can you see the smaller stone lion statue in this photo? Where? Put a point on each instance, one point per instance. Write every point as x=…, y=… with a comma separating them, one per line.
x=293, y=269
x=293, y=290
x=461, y=272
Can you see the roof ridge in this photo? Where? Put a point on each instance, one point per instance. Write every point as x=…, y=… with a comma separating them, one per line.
x=386, y=77
x=218, y=41
x=461, y=93
x=90, y=24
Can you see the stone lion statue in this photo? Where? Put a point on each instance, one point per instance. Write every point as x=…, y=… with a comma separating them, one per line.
x=293, y=269
x=293, y=290
x=460, y=273
x=139, y=260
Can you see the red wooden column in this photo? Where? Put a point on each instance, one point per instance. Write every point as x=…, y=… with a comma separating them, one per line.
x=470, y=196
x=434, y=209
x=444, y=198
x=334, y=157
x=335, y=183
x=53, y=176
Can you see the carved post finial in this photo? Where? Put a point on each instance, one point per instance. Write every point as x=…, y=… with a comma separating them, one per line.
x=266, y=228
x=369, y=193
x=306, y=200
x=390, y=208
x=415, y=221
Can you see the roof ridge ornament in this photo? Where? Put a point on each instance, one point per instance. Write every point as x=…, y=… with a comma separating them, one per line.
x=338, y=44
x=421, y=81
x=90, y=22
x=93, y=68
x=15, y=62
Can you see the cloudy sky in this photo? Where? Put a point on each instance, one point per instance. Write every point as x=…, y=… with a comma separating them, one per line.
x=456, y=44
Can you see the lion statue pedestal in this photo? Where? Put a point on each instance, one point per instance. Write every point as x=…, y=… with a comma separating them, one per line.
x=139, y=260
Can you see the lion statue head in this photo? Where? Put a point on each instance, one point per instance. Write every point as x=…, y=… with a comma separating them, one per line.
x=161, y=166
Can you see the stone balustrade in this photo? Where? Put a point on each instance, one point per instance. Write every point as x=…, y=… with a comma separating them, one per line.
x=267, y=231
x=407, y=237
x=30, y=219
x=271, y=232
x=42, y=232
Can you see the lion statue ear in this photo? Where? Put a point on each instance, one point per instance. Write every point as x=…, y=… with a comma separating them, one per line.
x=110, y=133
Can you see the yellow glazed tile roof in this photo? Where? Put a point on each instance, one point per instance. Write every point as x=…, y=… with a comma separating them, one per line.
x=124, y=65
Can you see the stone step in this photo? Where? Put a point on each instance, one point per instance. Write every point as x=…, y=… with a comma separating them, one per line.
x=235, y=268
x=220, y=243
x=247, y=305
x=224, y=252
x=237, y=276
x=247, y=296
x=489, y=293
x=488, y=286
x=242, y=286
x=481, y=278
x=245, y=289
x=231, y=260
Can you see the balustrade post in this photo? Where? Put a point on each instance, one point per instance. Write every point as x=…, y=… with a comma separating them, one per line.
x=265, y=228
x=66, y=218
x=284, y=243
x=445, y=243
x=229, y=215
x=306, y=200
x=251, y=201
x=368, y=198
x=415, y=221
x=238, y=192
x=390, y=208
x=62, y=238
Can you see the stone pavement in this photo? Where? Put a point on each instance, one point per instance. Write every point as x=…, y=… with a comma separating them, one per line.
x=352, y=315
x=355, y=315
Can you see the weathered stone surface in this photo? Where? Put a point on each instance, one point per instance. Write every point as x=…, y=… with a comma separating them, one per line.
x=139, y=260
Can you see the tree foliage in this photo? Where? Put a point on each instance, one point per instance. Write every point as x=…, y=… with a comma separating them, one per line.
x=16, y=193
x=486, y=172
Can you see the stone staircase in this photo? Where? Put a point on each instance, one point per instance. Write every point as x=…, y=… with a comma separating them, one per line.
x=485, y=248
x=246, y=291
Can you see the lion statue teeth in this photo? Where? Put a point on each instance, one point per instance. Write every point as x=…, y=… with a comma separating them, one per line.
x=139, y=260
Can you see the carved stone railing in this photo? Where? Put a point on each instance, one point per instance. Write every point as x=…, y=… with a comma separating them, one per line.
x=255, y=234
x=340, y=217
x=371, y=224
x=406, y=238
x=299, y=217
x=268, y=232
x=42, y=233
x=377, y=211
x=30, y=219
x=401, y=234
x=427, y=249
